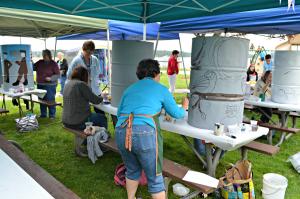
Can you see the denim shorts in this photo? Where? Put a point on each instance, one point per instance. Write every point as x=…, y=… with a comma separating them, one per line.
x=142, y=155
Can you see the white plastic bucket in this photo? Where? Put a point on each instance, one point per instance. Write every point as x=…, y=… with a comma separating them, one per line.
x=274, y=186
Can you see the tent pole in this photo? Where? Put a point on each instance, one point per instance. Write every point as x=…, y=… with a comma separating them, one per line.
x=108, y=57
x=145, y=31
x=45, y=42
x=156, y=44
x=20, y=40
x=55, y=48
x=183, y=63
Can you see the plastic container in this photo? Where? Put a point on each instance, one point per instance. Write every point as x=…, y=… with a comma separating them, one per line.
x=274, y=186
x=295, y=160
x=180, y=190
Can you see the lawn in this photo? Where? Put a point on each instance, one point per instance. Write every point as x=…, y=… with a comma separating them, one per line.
x=53, y=149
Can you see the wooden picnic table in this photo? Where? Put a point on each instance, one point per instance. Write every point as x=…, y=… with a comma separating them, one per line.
x=283, y=109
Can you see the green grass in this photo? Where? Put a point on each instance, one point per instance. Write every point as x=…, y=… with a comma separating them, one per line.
x=53, y=149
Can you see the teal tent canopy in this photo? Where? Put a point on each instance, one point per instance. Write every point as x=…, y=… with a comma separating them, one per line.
x=144, y=10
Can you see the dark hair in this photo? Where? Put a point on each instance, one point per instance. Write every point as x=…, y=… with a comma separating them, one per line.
x=266, y=75
x=175, y=52
x=80, y=73
x=47, y=53
x=147, y=68
x=268, y=56
x=88, y=46
x=249, y=70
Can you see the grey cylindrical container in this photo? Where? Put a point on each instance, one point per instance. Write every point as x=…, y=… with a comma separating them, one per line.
x=286, y=77
x=125, y=58
x=218, y=78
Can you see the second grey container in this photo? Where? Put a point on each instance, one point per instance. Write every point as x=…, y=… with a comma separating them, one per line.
x=286, y=77
x=125, y=58
x=218, y=79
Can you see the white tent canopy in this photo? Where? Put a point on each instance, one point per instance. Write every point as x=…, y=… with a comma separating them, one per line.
x=15, y=22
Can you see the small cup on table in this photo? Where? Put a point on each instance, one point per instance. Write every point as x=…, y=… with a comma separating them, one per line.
x=219, y=129
x=254, y=125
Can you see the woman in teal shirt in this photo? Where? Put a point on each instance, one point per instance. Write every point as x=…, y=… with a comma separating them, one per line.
x=138, y=133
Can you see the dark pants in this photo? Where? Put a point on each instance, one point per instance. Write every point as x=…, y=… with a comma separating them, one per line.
x=50, y=97
x=264, y=118
x=97, y=119
x=62, y=83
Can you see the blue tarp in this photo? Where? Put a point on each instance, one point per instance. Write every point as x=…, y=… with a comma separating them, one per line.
x=120, y=30
x=267, y=21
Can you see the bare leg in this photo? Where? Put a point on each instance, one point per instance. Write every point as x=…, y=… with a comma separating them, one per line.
x=160, y=195
x=131, y=187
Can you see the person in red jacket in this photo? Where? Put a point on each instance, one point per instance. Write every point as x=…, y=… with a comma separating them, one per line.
x=173, y=70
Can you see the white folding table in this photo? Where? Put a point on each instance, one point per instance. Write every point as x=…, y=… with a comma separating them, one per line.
x=39, y=92
x=227, y=143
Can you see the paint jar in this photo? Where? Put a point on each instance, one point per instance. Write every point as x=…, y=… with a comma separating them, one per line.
x=254, y=125
x=219, y=129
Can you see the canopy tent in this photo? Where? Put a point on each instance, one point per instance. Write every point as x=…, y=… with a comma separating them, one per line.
x=266, y=21
x=119, y=30
x=15, y=22
x=145, y=11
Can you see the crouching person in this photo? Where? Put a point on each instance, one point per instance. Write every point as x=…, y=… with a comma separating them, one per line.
x=77, y=96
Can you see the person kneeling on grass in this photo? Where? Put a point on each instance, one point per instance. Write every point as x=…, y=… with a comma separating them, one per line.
x=137, y=131
x=77, y=96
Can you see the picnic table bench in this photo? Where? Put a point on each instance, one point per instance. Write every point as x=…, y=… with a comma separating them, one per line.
x=171, y=169
x=37, y=100
x=3, y=111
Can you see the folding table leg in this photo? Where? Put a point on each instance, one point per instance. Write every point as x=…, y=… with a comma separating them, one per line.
x=284, y=116
x=31, y=103
x=209, y=160
x=244, y=153
x=195, y=151
x=20, y=107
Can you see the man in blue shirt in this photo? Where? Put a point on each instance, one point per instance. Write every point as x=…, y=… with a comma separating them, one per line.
x=90, y=62
x=87, y=60
x=268, y=63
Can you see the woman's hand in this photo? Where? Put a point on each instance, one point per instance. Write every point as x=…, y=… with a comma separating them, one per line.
x=185, y=103
x=48, y=79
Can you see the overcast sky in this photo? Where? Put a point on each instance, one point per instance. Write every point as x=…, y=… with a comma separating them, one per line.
x=186, y=40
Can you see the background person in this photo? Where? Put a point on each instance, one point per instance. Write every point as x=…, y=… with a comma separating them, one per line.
x=263, y=87
x=173, y=70
x=251, y=73
x=77, y=97
x=138, y=114
x=47, y=74
x=87, y=60
x=7, y=65
x=63, y=67
x=268, y=64
x=23, y=70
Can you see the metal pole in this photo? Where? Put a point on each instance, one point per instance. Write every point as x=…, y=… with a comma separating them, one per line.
x=20, y=40
x=187, y=86
x=108, y=57
x=156, y=44
x=45, y=42
x=55, y=48
x=145, y=31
